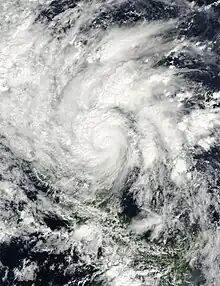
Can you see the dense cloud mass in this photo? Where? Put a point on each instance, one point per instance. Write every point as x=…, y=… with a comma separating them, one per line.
x=109, y=143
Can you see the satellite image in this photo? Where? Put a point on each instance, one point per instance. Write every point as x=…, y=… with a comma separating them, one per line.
x=109, y=143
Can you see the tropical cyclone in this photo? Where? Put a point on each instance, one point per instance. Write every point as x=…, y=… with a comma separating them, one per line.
x=109, y=143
